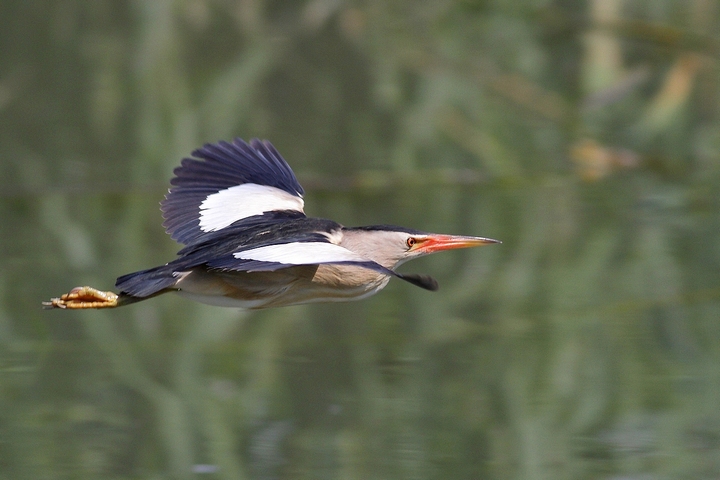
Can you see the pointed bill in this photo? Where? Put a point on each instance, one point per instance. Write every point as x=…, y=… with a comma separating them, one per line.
x=437, y=242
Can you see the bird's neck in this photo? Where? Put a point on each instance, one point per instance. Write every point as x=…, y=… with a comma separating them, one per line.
x=369, y=244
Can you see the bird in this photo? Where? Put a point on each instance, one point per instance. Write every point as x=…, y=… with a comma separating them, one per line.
x=237, y=209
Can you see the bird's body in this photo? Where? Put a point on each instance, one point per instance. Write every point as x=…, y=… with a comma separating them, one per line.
x=238, y=209
x=290, y=286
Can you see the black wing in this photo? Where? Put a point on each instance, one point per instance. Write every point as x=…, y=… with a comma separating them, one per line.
x=226, y=183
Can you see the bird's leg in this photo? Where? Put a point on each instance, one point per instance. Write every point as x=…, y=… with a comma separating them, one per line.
x=84, y=297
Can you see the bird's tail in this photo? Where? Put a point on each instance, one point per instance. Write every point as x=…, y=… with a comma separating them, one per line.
x=145, y=283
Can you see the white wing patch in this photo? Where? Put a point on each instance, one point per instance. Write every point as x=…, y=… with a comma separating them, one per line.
x=227, y=206
x=301, y=253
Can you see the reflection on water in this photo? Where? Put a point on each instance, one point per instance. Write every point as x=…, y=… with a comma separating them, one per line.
x=584, y=346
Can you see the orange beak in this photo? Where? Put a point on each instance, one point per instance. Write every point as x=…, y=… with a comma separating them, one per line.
x=437, y=243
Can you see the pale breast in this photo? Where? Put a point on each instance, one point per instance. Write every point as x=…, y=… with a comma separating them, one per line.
x=287, y=286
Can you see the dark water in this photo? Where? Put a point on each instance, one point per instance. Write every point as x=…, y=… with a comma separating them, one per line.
x=582, y=135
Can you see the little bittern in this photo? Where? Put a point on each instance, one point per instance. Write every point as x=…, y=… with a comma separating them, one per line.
x=238, y=210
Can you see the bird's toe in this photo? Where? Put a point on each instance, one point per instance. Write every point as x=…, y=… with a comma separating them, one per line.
x=83, y=297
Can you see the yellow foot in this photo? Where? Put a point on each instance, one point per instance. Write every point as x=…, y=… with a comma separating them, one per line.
x=84, y=297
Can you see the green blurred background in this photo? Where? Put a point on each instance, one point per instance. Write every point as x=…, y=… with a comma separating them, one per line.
x=583, y=134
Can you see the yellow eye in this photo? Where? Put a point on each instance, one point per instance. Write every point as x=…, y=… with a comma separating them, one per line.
x=410, y=242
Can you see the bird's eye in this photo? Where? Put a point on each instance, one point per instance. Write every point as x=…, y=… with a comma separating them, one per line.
x=410, y=242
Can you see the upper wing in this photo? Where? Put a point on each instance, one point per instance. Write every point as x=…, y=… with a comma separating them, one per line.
x=227, y=182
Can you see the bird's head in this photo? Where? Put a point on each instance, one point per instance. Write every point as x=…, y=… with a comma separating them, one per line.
x=391, y=246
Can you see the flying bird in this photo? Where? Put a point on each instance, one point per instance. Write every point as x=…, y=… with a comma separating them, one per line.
x=238, y=210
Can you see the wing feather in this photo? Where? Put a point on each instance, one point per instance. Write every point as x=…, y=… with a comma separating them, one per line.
x=316, y=250
x=225, y=183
